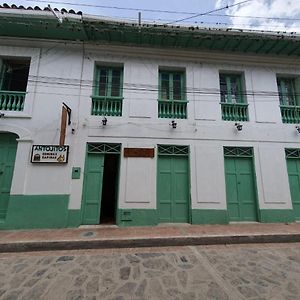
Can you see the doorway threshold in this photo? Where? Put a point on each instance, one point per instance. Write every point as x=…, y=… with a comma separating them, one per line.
x=98, y=226
x=173, y=224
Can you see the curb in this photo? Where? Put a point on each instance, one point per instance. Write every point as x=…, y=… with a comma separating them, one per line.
x=29, y=246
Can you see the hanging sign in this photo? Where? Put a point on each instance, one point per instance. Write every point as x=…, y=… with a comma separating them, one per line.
x=49, y=154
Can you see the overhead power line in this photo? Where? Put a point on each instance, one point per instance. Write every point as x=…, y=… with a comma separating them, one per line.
x=209, y=12
x=166, y=11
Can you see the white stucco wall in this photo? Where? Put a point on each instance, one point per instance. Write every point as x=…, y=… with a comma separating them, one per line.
x=59, y=68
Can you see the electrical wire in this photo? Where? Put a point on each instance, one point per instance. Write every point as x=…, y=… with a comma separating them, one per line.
x=209, y=12
x=164, y=11
x=142, y=88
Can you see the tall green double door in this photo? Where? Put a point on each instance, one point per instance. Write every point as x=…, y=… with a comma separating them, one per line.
x=100, y=186
x=293, y=168
x=8, y=149
x=240, y=184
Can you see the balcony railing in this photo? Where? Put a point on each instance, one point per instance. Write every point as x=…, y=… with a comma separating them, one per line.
x=290, y=114
x=176, y=109
x=12, y=101
x=234, y=111
x=102, y=106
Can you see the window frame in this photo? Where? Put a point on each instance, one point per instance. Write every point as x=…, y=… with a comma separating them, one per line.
x=171, y=74
x=108, y=89
x=4, y=65
x=240, y=95
x=284, y=97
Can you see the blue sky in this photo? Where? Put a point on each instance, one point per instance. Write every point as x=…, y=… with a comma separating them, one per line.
x=274, y=15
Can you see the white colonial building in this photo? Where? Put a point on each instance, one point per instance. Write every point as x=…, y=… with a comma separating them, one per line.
x=112, y=122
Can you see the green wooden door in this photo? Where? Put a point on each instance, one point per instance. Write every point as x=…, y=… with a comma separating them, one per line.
x=293, y=166
x=8, y=149
x=240, y=189
x=173, y=189
x=92, y=188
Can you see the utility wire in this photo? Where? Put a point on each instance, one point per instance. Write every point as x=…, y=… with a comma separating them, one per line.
x=138, y=88
x=164, y=11
x=209, y=12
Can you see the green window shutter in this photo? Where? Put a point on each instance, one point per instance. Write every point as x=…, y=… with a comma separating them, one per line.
x=108, y=90
x=286, y=91
x=172, y=86
x=172, y=101
x=231, y=88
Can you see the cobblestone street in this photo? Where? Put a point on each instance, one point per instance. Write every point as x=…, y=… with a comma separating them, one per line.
x=204, y=272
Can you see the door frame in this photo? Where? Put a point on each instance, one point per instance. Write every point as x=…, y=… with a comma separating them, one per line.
x=242, y=152
x=11, y=135
x=175, y=150
x=291, y=154
x=101, y=148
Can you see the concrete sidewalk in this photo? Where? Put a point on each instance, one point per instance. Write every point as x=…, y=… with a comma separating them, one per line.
x=93, y=237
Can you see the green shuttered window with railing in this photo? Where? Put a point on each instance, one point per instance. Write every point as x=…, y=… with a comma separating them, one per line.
x=233, y=104
x=289, y=106
x=172, y=102
x=13, y=83
x=107, y=96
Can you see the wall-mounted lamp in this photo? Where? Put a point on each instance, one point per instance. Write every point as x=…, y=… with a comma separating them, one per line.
x=298, y=128
x=173, y=124
x=2, y=115
x=238, y=126
x=104, y=121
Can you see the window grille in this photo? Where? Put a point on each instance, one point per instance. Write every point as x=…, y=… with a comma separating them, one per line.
x=173, y=150
x=104, y=148
x=238, y=151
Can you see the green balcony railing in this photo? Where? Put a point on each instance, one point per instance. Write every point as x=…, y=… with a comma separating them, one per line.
x=176, y=109
x=234, y=111
x=12, y=101
x=290, y=114
x=102, y=106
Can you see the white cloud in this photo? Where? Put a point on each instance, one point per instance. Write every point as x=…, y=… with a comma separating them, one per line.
x=259, y=10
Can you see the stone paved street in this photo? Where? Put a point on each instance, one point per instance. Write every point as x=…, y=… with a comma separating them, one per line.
x=203, y=272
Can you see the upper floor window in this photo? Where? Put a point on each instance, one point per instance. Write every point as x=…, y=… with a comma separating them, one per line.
x=286, y=91
x=172, y=101
x=108, y=91
x=289, y=106
x=13, y=83
x=14, y=75
x=231, y=88
x=233, y=102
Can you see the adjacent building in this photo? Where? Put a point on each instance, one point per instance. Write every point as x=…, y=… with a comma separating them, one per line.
x=110, y=122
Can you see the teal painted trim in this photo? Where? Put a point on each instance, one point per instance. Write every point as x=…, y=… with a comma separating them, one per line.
x=136, y=217
x=74, y=218
x=209, y=216
x=277, y=216
x=36, y=211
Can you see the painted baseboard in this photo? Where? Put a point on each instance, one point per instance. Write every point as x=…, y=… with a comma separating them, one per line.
x=136, y=217
x=209, y=216
x=277, y=216
x=36, y=211
x=74, y=218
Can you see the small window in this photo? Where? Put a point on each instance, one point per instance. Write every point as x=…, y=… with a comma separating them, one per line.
x=286, y=91
x=14, y=75
x=231, y=88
